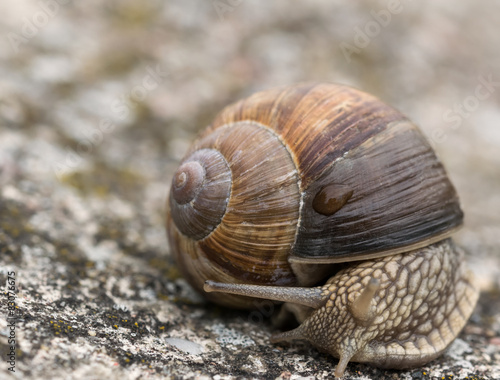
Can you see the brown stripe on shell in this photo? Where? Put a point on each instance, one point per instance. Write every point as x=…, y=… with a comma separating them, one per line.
x=254, y=238
x=401, y=198
x=318, y=122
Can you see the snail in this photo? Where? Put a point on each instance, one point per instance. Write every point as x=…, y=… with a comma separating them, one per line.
x=325, y=198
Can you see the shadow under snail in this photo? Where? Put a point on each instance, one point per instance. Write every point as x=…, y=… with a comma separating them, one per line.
x=296, y=184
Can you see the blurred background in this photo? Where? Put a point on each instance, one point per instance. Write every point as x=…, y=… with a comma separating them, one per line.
x=100, y=100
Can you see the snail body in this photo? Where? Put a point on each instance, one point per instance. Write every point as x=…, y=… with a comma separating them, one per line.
x=287, y=186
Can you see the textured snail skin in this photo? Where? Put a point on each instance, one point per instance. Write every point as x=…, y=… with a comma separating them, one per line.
x=397, y=311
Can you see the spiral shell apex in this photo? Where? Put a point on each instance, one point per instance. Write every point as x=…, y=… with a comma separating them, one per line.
x=200, y=192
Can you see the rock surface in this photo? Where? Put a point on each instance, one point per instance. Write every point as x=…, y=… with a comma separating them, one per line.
x=99, y=101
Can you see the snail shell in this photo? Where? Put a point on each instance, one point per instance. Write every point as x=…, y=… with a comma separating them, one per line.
x=293, y=179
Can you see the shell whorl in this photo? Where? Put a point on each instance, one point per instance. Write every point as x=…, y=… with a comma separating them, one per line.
x=200, y=192
x=257, y=227
x=187, y=182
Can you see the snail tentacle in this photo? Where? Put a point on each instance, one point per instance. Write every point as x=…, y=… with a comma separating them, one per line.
x=311, y=297
x=362, y=308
